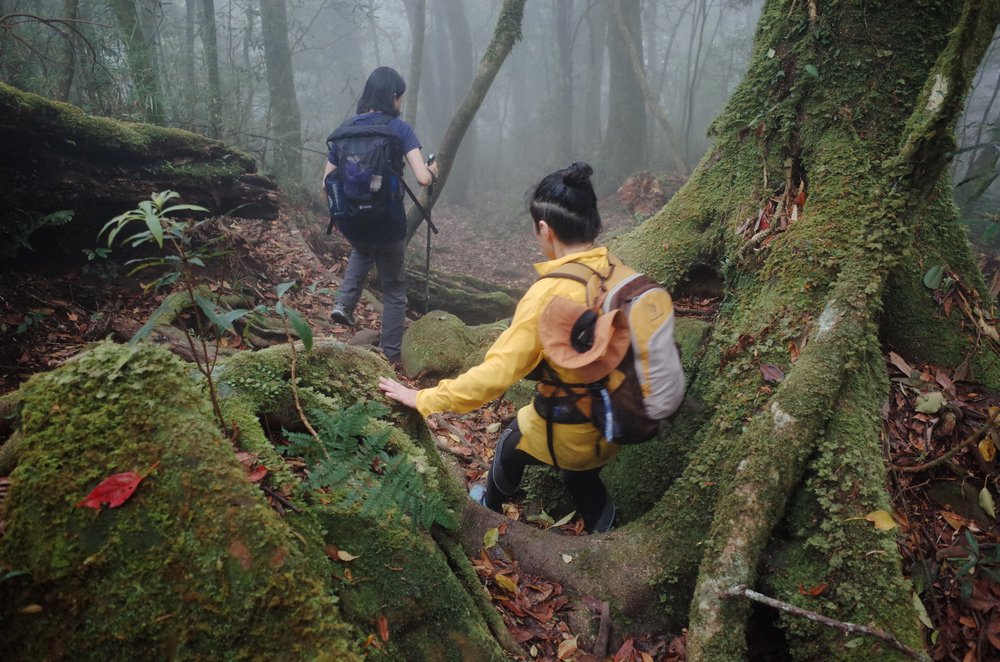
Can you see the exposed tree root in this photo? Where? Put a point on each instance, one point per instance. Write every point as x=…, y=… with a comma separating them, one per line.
x=846, y=628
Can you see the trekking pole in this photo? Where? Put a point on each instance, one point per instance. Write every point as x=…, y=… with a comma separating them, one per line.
x=430, y=226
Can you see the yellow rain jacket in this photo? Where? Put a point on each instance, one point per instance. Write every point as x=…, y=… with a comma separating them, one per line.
x=515, y=353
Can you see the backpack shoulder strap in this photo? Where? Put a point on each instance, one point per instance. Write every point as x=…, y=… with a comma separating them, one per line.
x=585, y=274
x=350, y=129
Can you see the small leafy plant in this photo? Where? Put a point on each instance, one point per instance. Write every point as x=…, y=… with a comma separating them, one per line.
x=982, y=559
x=181, y=257
x=14, y=237
x=184, y=251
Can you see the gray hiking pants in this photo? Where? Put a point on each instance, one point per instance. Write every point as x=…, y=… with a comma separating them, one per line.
x=389, y=260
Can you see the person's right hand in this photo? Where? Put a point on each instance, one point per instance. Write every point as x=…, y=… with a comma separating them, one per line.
x=398, y=392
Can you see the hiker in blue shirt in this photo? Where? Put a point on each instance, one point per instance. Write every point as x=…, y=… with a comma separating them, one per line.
x=380, y=242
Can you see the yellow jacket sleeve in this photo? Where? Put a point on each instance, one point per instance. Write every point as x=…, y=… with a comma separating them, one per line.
x=514, y=354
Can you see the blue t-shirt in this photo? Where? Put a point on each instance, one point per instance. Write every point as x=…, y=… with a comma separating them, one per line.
x=393, y=229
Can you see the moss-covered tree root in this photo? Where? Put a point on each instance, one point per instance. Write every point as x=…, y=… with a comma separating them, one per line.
x=194, y=565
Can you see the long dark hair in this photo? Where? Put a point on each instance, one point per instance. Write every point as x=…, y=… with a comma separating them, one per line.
x=565, y=199
x=383, y=87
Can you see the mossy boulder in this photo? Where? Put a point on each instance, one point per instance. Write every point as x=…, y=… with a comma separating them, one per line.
x=440, y=344
x=195, y=565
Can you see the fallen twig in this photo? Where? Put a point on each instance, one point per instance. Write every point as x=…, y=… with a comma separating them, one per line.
x=974, y=439
x=846, y=628
x=280, y=499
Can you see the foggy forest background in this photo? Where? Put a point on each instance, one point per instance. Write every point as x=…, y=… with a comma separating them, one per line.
x=274, y=77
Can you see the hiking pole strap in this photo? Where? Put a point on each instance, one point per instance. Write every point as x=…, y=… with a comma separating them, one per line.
x=423, y=212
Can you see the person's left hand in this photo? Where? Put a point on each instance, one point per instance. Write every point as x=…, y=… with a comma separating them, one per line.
x=398, y=392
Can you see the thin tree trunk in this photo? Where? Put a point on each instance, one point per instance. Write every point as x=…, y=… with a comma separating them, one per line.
x=71, y=11
x=210, y=39
x=188, y=92
x=563, y=103
x=597, y=23
x=624, y=148
x=417, y=11
x=462, y=59
x=506, y=33
x=286, y=125
x=694, y=58
x=651, y=103
x=141, y=61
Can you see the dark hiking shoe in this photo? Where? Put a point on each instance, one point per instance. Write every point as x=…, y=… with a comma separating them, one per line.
x=341, y=316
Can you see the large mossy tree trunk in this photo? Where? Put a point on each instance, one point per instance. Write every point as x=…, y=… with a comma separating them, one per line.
x=769, y=485
x=863, y=126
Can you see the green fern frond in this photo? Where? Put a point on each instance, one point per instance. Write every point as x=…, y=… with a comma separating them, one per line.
x=352, y=464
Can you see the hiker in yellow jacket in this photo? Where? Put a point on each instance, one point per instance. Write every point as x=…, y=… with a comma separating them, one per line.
x=566, y=224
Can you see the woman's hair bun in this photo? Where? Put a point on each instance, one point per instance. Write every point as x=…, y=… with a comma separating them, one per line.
x=577, y=174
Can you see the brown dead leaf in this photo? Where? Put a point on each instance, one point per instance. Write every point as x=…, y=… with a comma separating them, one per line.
x=567, y=648
x=382, y=625
x=239, y=551
x=898, y=361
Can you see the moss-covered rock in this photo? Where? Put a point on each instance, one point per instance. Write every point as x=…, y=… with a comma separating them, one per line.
x=195, y=565
x=440, y=344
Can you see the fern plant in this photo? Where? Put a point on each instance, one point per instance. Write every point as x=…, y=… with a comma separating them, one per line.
x=356, y=470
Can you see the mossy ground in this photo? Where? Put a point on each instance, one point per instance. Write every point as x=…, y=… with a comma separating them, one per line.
x=195, y=565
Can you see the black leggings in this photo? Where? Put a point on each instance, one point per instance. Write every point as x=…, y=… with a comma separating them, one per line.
x=588, y=492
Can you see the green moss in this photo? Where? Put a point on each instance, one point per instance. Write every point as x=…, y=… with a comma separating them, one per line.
x=825, y=540
x=440, y=344
x=194, y=565
x=405, y=578
x=145, y=142
x=913, y=322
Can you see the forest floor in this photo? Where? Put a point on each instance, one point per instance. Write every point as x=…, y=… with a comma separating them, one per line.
x=940, y=449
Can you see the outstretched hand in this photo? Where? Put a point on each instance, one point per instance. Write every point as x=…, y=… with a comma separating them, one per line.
x=398, y=392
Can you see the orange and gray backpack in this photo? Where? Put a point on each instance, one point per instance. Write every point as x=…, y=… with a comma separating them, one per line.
x=634, y=402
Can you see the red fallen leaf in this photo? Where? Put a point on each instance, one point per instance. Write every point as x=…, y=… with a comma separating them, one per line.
x=257, y=474
x=383, y=627
x=814, y=590
x=800, y=199
x=114, y=490
x=771, y=373
x=793, y=351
